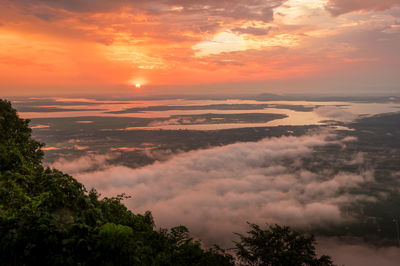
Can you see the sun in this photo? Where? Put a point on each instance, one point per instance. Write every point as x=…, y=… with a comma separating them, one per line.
x=136, y=83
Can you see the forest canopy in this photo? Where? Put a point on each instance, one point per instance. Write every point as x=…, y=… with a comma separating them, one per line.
x=49, y=218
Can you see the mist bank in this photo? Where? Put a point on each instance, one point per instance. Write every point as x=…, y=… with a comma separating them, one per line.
x=358, y=253
x=215, y=191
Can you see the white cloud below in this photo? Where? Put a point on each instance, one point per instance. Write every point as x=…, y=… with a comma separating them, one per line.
x=358, y=254
x=335, y=113
x=215, y=191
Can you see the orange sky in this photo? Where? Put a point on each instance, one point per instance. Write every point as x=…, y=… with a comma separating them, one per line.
x=188, y=46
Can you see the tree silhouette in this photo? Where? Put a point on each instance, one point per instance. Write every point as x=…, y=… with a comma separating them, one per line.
x=277, y=246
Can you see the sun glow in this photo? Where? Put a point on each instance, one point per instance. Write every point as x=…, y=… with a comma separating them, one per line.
x=137, y=82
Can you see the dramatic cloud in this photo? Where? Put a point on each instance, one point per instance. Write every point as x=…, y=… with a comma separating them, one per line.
x=252, y=30
x=237, y=9
x=175, y=46
x=338, y=7
x=215, y=191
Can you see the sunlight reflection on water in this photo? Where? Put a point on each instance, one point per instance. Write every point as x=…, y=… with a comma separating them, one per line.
x=293, y=117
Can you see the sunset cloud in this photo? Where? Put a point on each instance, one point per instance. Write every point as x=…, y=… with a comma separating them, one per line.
x=338, y=7
x=236, y=9
x=186, y=46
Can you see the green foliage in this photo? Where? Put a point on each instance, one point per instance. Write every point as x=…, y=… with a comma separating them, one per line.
x=278, y=246
x=18, y=151
x=48, y=218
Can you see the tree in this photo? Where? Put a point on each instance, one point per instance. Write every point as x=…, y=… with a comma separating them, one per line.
x=277, y=246
x=18, y=151
x=49, y=218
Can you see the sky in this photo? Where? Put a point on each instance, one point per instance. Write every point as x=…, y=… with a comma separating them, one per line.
x=64, y=47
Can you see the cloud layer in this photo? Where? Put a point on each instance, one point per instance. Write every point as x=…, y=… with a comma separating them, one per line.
x=338, y=7
x=82, y=164
x=215, y=191
x=237, y=9
x=335, y=113
x=175, y=46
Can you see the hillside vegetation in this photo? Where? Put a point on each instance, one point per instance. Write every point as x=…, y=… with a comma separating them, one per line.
x=49, y=218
